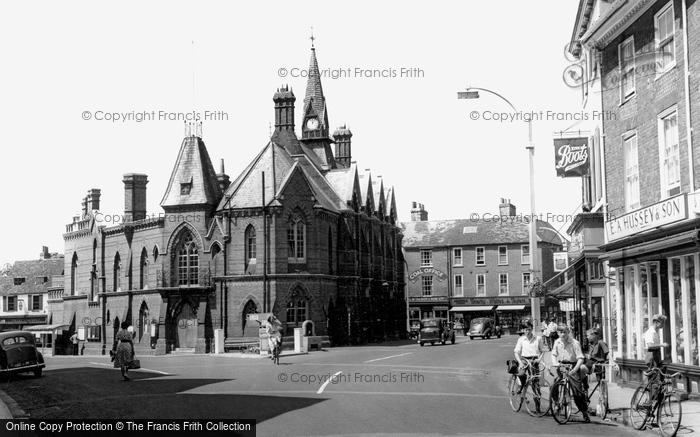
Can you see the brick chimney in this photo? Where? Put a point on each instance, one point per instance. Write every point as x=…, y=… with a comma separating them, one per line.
x=93, y=199
x=135, y=196
x=418, y=213
x=44, y=253
x=506, y=208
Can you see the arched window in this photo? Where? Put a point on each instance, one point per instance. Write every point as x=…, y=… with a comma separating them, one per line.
x=143, y=267
x=188, y=262
x=117, y=272
x=250, y=245
x=296, y=241
x=93, y=272
x=74, y=275
x=296, y=311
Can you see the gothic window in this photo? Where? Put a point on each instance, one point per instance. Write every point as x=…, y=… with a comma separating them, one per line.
x=144, y=269
x=188, y=262
x=250, y=245
x=117, y=272
x=74, y=275
x=296, y=241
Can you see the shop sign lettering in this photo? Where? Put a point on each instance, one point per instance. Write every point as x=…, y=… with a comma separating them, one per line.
x=661, y=213
x=413, y=277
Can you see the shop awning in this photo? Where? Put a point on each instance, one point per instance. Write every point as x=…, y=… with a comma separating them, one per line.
x=564, y=291
x=510, y=307
x=46, y=329
x=473, y=308
x=659, y=245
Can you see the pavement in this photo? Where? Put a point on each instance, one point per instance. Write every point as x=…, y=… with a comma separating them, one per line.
x=619, y=397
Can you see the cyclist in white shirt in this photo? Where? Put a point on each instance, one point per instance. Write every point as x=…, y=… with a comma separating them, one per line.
x=529, y=347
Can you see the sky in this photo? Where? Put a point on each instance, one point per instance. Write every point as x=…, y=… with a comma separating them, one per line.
x=79, y=75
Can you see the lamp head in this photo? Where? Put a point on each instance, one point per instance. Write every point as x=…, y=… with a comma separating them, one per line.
x=468, y=94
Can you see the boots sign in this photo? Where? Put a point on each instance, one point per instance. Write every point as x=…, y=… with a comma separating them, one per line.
x=571, y=156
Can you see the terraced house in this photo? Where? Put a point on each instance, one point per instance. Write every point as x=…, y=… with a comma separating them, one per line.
x=300, y=233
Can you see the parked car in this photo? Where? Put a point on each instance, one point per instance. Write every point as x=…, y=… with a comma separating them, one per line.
x=484, y=327
x=18, y=353
x=435, y=329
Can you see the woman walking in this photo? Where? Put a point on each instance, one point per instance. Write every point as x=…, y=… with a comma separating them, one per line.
x=125, y=351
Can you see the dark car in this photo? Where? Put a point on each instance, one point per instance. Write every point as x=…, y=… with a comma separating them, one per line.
x=435, y=329
x=18, y=353
x=484, y=327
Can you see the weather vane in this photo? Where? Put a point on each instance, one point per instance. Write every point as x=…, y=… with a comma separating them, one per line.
x=312, y=37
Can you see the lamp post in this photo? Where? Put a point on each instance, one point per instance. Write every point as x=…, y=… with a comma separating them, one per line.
x=473, y=93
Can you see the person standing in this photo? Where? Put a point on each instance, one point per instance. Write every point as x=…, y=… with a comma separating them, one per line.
x=652, y=341
x=567, y=350
x=76, y=342
x=552, y=333
x=544, y=329
x=125, y=350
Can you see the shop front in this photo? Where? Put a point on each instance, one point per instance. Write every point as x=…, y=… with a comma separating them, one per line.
x=655, y=272
x=507, y=311
x=425, y=307
x=18, y=323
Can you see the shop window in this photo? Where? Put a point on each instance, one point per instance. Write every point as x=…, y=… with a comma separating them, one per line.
x=684, y=317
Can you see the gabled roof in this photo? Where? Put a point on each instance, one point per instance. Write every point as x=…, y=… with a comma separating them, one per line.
x=33, y=272
x=463, y=232
x=367, y=200
x=345, y=183
x=194, y=166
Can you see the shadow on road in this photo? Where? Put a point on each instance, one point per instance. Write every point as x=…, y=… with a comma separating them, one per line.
x=92, y=393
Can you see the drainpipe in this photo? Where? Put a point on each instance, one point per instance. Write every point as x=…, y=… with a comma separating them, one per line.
x=686, y=74
x=266, y=304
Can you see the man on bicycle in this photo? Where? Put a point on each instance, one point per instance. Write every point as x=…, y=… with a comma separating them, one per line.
x=529, y=347
x=567, y=350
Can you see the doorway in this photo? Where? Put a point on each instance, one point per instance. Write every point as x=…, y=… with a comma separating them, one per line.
x=186, y=327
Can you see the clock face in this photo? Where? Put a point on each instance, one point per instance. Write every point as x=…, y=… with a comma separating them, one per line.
x=312, y=124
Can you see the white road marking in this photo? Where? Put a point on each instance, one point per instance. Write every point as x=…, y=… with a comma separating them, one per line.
x=320, y=390
x=140, y=370
x=386, y=358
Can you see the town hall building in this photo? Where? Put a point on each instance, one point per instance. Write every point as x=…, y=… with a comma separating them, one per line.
x=301, y=233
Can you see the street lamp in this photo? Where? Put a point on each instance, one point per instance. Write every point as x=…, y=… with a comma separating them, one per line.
x=473, y=93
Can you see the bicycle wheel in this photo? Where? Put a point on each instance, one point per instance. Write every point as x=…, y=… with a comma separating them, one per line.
x=516, y=401
x=537, y=394
x=669, y=415
x=561, y=399
x=640, y=406
x=602, y=407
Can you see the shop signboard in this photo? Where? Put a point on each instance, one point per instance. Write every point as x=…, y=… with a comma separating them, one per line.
x=662, y=213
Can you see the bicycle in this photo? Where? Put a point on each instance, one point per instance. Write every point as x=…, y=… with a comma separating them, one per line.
x=602, y=406
x=535, y=392
x=562, y=395
x=276, y=352
x=665, y=406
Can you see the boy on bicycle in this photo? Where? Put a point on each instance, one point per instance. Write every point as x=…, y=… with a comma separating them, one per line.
x=567, y=350
x=653, y=346
x=529, y=347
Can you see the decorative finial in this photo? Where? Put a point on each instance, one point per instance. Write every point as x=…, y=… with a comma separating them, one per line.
x=312, y=37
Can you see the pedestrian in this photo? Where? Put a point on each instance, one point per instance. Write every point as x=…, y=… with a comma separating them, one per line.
x=124, y=350
x=653, y=346
x=544, y=332
x=552, y=333
x=74, y=339
x=567, y=350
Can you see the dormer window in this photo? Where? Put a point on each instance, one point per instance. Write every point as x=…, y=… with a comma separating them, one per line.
x=42, y=280
x=19, y=281
x=185, y=188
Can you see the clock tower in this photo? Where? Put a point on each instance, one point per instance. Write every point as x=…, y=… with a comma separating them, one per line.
x=314, y=129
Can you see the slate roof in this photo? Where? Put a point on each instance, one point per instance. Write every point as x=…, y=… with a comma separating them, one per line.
x=465, y=232
x=30, y=270
x=193, y=165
